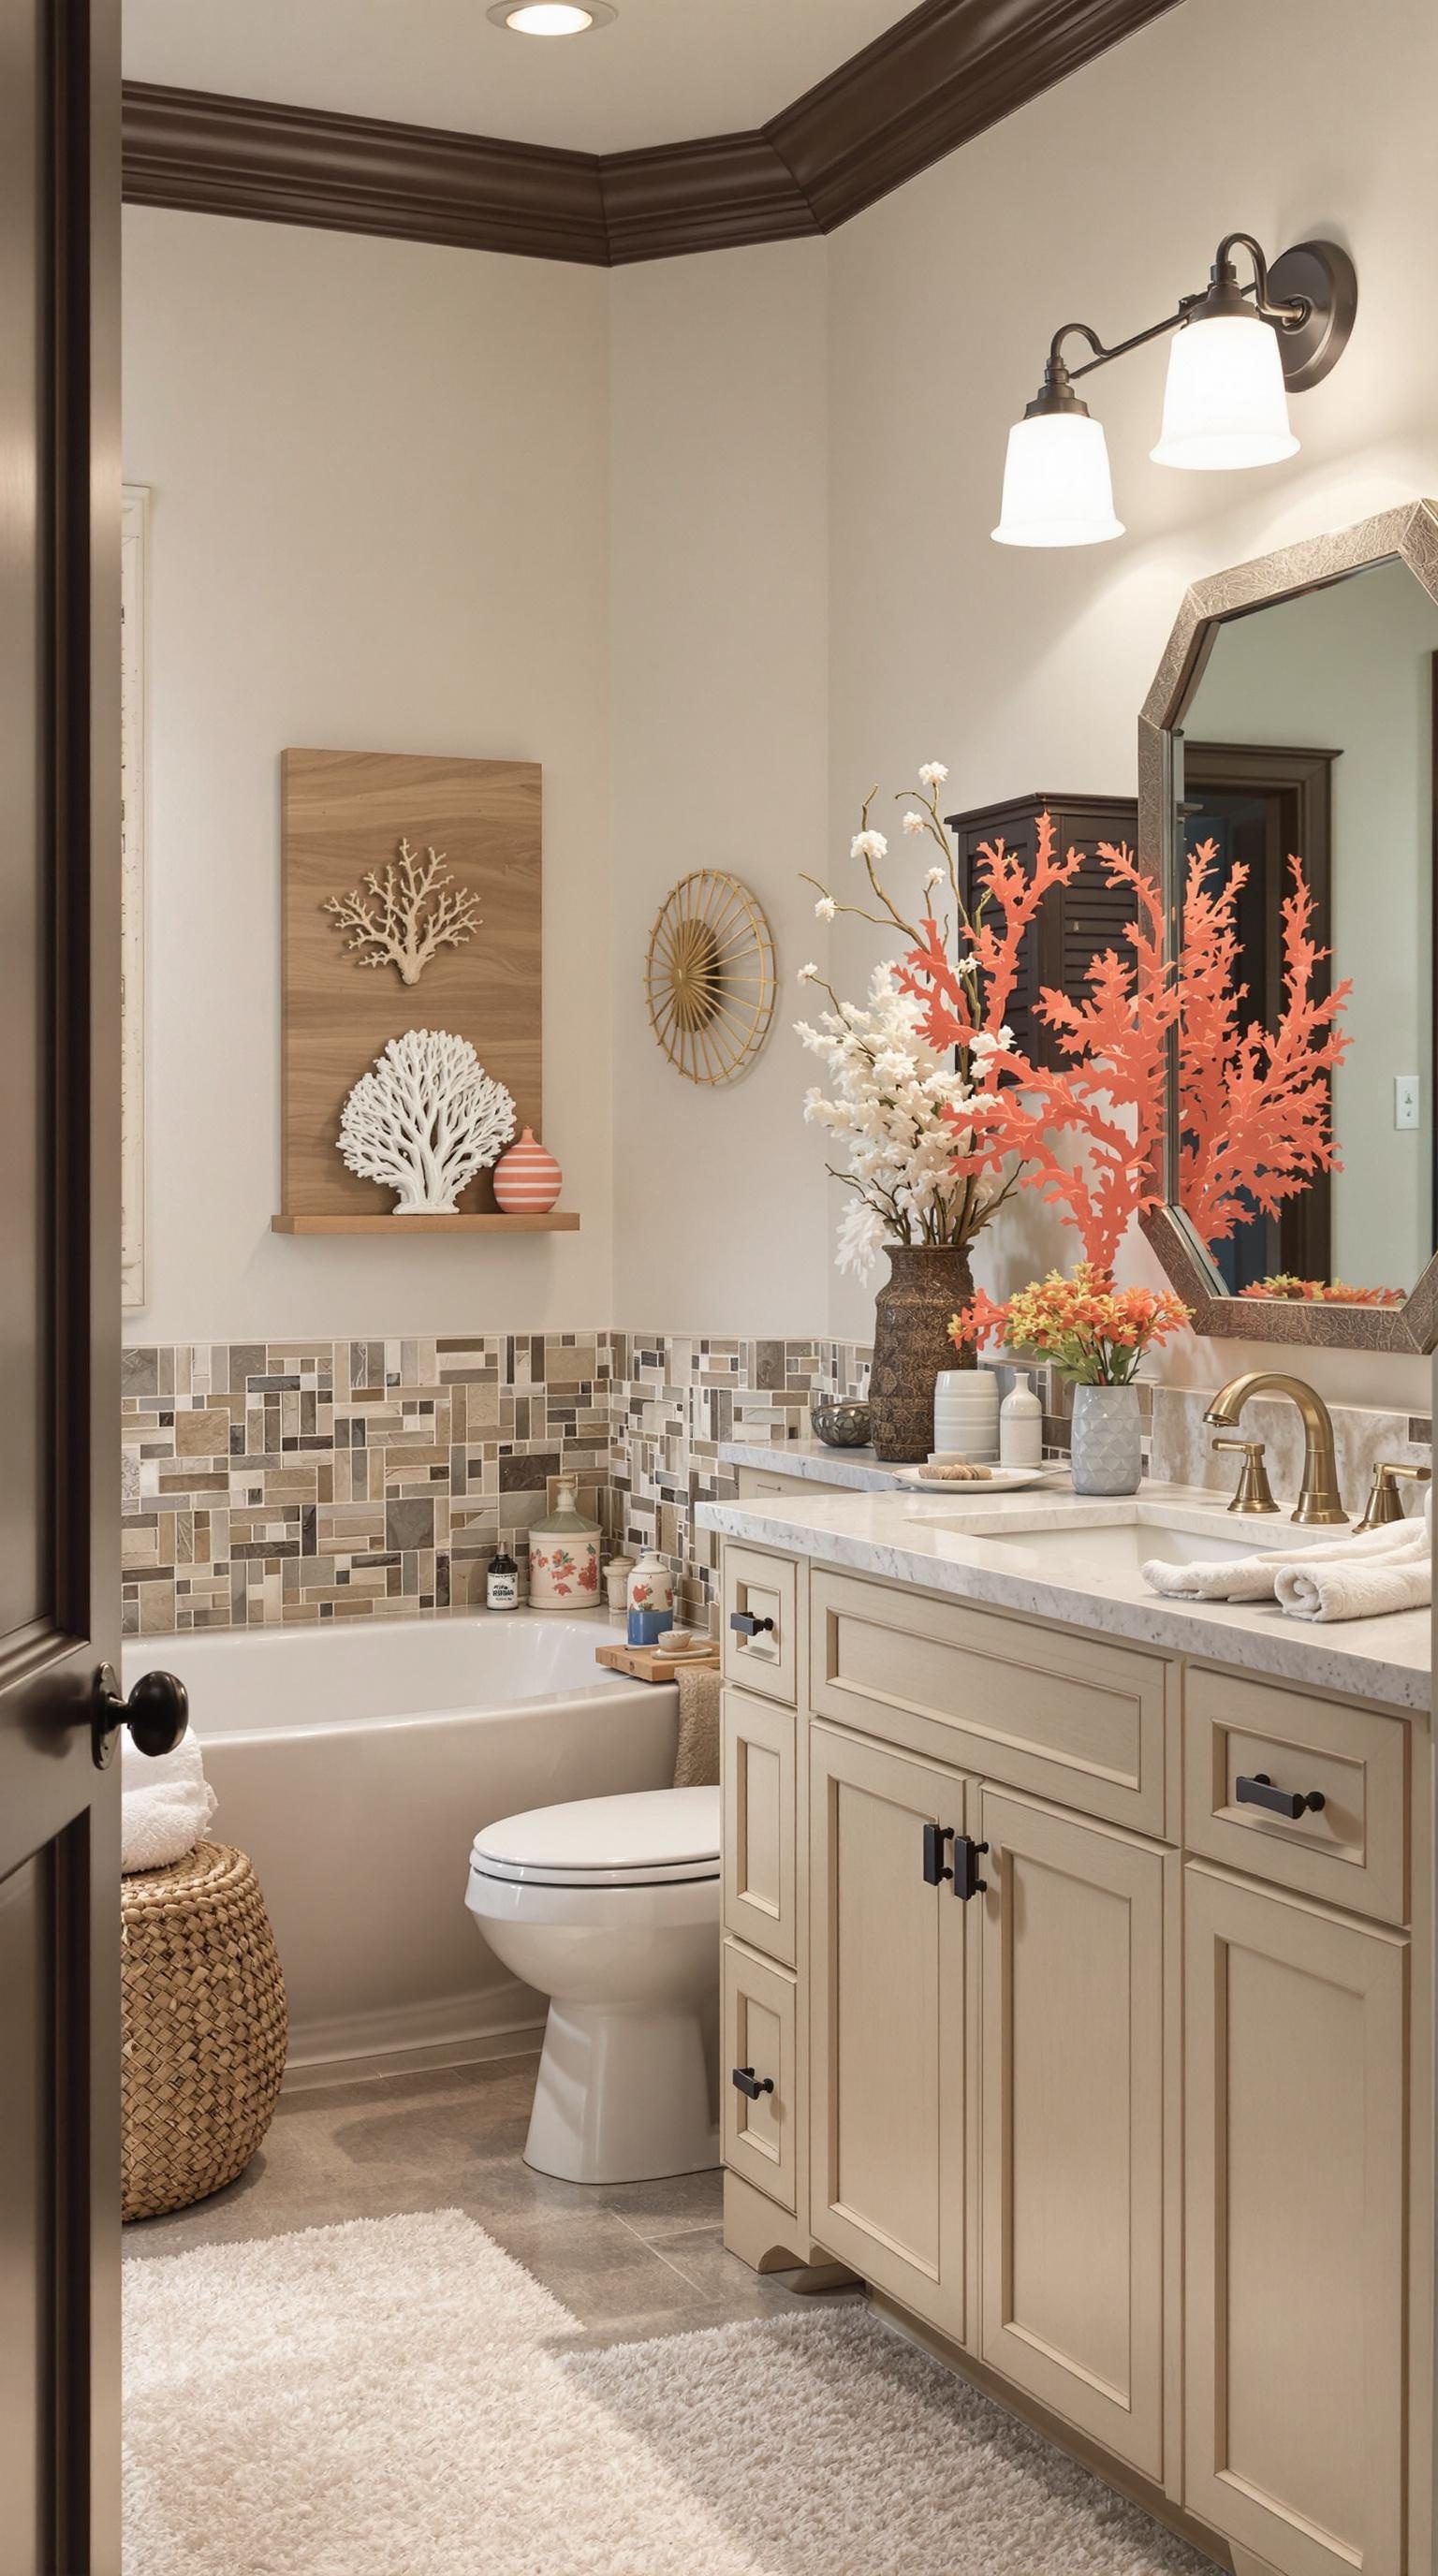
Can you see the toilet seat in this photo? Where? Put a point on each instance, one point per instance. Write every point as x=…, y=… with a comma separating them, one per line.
x=648, y=1838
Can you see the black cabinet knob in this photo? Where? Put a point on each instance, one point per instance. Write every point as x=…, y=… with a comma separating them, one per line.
x=1292, y=1803
x=744, y=2080
x=748, y=1626
x=156, y=1712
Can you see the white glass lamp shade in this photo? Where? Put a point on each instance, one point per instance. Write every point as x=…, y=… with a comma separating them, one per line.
x=1057, y=487
x=1225, y=404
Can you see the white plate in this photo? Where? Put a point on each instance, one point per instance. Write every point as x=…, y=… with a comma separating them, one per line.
x=999, y=1480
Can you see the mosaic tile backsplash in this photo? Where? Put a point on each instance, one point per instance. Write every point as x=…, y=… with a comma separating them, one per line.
x=310, y=1480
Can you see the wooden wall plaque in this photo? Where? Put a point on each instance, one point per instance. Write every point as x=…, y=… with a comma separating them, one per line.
x=344, y=814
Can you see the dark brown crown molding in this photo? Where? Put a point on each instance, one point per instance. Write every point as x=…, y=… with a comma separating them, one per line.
x=940, y=76
x=934, y=81
x=187, y=148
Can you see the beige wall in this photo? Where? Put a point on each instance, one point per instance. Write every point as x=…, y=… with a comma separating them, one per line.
x=1103, y=200
x=380, y=520
x=720, y=696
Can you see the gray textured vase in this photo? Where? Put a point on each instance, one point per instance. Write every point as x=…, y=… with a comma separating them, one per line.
x=929, y=1283
x=1104, y=1437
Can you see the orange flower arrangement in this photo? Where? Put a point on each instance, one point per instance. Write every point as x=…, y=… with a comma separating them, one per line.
x=1092, y=1331
x=1322, y=1292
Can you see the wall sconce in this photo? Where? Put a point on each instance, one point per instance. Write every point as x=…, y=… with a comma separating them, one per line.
x=1239, y=353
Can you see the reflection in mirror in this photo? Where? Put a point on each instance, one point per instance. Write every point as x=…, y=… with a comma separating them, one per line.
x=1308, y=783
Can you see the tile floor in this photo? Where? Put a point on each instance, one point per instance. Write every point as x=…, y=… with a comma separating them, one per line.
x=626, y=2259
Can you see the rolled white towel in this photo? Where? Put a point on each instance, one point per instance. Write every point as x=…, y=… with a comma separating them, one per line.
x=1337, y=1591
x=166, y=1804
x=1255, y=1578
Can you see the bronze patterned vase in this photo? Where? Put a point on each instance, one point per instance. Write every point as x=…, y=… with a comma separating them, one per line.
x=928, y=1283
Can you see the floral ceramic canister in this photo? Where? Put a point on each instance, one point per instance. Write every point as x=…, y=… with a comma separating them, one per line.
x=527, y=1180
x=564, y=1558
x=651, y=1600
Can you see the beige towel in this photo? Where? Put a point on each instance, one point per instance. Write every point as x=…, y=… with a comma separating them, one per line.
x=696, y=1763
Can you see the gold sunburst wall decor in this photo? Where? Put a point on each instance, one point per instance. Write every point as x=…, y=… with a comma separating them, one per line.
x=709, y=977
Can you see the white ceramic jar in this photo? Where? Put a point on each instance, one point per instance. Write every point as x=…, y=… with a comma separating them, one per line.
x=966, y=1415
x=651, y=1600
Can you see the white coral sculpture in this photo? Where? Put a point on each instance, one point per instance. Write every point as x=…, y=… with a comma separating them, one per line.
x=425, y=1121
x=406, y=914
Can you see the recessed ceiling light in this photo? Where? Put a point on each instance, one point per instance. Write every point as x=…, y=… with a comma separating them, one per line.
x=551, y=17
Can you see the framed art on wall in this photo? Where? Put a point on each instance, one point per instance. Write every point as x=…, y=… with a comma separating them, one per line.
x=411, y=909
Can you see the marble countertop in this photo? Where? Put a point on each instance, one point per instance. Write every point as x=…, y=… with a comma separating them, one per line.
x=958, y=1546
x=854, y=1467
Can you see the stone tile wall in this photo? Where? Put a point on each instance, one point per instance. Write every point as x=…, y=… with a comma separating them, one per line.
x=311, y=1480
x=303, y=1480
x=676, y=1398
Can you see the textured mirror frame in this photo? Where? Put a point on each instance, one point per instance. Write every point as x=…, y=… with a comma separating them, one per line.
x=1409, y=535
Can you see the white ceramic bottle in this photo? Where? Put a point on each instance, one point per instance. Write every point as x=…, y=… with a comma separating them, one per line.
x=564, y=1557
x=1021, y=1425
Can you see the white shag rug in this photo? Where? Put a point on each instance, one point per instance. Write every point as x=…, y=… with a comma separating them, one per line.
x=378, y=2399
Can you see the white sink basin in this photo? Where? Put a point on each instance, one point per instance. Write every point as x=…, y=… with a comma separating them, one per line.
x=1116, y=1541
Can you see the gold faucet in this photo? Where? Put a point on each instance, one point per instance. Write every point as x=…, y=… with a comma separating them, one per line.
x=1318, y=1495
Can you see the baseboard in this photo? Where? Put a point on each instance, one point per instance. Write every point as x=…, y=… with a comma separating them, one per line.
x=465, y=2030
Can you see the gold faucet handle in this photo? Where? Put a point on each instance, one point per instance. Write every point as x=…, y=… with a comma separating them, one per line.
x=1253, y=1492
x=1383, y=1503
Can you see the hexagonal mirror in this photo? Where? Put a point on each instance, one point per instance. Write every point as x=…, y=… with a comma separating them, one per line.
x=1288, y=788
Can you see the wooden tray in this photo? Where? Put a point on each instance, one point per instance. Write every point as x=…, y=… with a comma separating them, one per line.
x=646, y=1664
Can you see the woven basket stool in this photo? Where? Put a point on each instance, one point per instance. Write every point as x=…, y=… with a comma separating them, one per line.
x=205, y=2028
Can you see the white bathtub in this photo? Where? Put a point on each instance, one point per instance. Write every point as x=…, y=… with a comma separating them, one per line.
x=355, y=1765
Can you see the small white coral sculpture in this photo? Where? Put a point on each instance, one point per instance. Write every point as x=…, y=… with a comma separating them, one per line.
x=407, y=913
x=425, y=1121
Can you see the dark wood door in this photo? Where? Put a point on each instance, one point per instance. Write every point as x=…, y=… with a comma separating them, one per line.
x=59, y=1284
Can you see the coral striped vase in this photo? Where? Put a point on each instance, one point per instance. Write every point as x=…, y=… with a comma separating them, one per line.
x=527, y=1180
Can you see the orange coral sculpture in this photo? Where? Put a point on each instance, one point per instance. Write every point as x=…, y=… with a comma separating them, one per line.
x=1106, y=1104
x=1255, y=1104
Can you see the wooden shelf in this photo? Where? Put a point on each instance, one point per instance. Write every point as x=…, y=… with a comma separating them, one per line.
x=559, y=1221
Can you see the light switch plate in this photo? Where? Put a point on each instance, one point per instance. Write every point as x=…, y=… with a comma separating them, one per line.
x=1407, y=1096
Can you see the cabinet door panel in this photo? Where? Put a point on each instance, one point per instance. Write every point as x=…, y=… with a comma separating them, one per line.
x=887, y=2025
x=757, y=1768
x=1295, y=2180
x=1072, y=2018
x=759, y=2128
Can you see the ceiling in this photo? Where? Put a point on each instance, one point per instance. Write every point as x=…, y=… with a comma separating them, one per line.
x=664, y=72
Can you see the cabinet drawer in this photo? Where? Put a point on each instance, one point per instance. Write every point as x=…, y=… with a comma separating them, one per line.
x=757, y=1768
x=761, y=1588
x=759, y=2044
x=1353, y=1849
x=773, y=1480
x=1036, y=1708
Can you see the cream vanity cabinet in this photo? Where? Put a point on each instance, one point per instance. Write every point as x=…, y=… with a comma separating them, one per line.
x=1105, y=2080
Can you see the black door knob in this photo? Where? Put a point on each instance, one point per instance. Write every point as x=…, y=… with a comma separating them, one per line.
x=157, y=1713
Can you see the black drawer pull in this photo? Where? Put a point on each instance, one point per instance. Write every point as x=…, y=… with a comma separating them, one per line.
x=748, y=1625
x=1292, y=1803
x=967, y=1881
x=935, y=1837
x=745, y=2080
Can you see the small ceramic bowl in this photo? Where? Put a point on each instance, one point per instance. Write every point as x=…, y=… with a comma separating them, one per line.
x=841, y=1426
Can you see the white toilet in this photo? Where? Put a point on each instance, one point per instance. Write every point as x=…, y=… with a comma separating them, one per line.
x=610, y=1906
